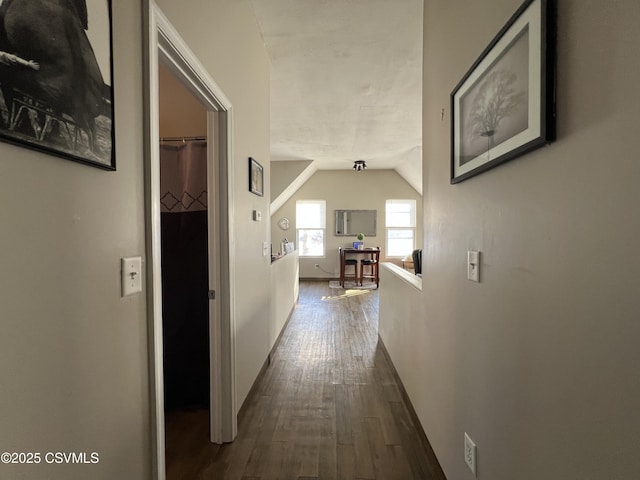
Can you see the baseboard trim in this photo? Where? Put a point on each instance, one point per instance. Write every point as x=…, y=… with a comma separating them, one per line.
x=438, y=474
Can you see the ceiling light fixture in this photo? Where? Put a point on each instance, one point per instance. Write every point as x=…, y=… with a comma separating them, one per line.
x=359, y=165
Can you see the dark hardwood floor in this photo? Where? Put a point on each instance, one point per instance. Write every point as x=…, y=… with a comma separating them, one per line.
x=328, y=407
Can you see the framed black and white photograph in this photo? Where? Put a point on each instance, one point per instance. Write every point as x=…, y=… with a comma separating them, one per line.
x=504, y=106
x=56, y=82
x=256, y=177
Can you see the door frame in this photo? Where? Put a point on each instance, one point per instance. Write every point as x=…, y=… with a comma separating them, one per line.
x=164, y=43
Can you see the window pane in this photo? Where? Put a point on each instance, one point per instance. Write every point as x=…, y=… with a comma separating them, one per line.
x=399, y=219
x=310, y=214
x=399, y=234
x=399, y=248
x=400, y=213
x=400, y=242
x=310, y=243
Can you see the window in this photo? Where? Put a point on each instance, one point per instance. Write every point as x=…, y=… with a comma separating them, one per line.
x=400, y=220
x=311, y=222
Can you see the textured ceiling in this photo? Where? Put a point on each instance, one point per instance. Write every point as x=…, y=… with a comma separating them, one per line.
x=346, y=81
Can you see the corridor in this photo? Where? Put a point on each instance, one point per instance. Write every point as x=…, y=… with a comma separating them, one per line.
x=328, y=406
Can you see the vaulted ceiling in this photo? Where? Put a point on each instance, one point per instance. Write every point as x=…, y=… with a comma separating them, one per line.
x=346, y=82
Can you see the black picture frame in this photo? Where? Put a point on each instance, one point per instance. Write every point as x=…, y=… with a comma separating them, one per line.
x=56, y=79
x=256, y=177
x=504, y=106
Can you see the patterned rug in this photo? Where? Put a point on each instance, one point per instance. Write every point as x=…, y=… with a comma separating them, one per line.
x=351, y=285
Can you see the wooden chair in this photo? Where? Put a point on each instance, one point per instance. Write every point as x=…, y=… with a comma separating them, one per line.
x=372, y=261
x=344, y=263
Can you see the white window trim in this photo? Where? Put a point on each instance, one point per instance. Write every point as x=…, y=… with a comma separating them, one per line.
x=413, y=228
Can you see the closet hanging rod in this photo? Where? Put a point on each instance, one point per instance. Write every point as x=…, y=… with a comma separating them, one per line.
x=182, y=139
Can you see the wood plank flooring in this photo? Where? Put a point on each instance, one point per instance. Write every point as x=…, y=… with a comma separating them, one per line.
x=328, y=407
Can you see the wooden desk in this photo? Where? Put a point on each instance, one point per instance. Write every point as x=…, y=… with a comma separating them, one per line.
x=371, y=258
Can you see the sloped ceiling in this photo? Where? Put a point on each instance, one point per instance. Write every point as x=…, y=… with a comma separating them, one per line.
x=346, y=81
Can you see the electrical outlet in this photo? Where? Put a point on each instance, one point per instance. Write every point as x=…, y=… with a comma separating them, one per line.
x=470, y=453
x=317, y=265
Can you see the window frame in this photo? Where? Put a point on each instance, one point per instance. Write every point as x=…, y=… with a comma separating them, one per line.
x=412, y=224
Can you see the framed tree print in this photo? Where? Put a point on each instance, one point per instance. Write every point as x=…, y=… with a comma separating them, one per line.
x=504, y=106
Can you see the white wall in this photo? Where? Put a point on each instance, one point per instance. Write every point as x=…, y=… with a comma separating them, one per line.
x=73, y=353
x=401, y=326
x=181, y=114
x=284, y=293
x=285, y=173
x=224, y=36
x=539, y=362
x=345, y=189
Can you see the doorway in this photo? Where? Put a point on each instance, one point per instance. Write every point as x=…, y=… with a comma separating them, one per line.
x=167, y=47
x=185, y=268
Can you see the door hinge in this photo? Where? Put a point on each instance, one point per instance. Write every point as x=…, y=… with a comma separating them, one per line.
x=211, y=294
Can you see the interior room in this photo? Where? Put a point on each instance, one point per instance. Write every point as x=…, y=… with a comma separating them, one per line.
x=514, y=354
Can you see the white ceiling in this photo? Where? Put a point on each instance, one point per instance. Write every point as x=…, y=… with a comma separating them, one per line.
x=346, y=81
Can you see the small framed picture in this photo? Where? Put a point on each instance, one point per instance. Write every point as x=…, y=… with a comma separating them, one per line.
x=256, y=177
x=504, y=106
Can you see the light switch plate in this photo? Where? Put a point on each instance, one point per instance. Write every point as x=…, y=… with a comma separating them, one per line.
x=473, y=266
x=131, y=275
x=257, y=216
x=265, y=249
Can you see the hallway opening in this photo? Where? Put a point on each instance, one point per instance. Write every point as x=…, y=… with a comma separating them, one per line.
x=329, y=406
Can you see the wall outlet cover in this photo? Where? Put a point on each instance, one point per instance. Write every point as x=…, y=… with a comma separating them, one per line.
x=470, y=453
